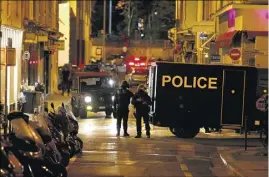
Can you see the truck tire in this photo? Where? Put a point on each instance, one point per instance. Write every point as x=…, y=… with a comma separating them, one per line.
x=108, y=113
x=185, y=132
x=83, y=114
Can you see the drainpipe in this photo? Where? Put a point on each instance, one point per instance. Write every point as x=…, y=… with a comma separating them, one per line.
x=104, y=28
x=198, y=41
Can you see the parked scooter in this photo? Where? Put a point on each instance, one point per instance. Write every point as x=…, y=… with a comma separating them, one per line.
x=29, y=148
x=70, y=128
x=10, y=165
x=58, y=141
x=40, y=123
x=73, y=127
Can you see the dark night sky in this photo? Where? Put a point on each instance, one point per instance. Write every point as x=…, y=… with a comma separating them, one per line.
x=97, y=17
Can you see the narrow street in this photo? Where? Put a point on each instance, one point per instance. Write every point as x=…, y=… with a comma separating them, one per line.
x=105, y=155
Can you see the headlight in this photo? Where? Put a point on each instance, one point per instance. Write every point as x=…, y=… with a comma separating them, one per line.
x=113, y=98
x=111, y=82
x=88, y=99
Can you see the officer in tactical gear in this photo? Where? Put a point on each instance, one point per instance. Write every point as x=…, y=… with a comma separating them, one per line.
x=141, y=102
x=121, y=106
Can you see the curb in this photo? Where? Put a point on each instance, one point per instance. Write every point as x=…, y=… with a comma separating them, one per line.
x=231, y=169
x=230, y=163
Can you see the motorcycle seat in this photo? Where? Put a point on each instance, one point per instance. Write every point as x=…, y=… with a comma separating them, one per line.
x=17, y=115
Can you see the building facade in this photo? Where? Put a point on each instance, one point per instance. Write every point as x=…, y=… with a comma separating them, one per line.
x=31, y=28
x=75, y=24
x=224, y=31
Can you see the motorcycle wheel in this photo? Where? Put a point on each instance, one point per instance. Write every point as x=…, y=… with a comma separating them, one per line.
x=28, y=171
x=80, y=144
x=65, y=159
x=71, y=149
x=59, y=170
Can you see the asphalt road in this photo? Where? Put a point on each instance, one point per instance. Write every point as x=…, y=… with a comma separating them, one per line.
x=105, y=155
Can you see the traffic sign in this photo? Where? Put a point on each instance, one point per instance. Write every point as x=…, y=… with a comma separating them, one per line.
x=235, y=54
x=261, y=103
x=26, y=55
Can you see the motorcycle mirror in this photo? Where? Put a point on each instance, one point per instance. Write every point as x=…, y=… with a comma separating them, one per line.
x=52, y=106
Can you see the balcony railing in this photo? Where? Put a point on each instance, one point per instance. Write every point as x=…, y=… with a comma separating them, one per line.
x=133, y=43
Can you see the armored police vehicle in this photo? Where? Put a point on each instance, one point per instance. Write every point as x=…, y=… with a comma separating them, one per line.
x=94, y=93
x=187, y=97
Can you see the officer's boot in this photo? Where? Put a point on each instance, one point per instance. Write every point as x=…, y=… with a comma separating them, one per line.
x=125, y=131
x=148, y=134
x=118, y=132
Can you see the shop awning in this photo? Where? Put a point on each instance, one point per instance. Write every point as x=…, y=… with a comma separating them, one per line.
x=252, y=34
x=225, y=40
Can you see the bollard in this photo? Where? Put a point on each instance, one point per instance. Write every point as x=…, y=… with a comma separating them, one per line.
x=246, y=133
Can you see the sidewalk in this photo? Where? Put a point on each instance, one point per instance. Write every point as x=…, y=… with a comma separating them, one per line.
x=226, y=133
x=250, y=163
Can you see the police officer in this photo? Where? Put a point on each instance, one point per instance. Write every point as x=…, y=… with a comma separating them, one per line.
x=121, y=106
x=141, y=102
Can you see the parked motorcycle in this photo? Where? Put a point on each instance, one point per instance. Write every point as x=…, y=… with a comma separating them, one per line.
x=69, y=126
x=10, y=165
x=73, y=127
x=41, y=125
x=58, y=140
x=29, y=148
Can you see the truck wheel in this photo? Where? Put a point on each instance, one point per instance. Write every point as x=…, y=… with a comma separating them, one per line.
x=114, y=115
x=185, y=132
x=108, y=113
x=83, y=114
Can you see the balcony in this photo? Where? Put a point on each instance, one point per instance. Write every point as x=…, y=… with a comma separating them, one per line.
x=133, y=43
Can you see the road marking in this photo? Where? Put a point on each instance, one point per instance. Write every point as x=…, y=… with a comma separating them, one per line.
x=187, y=174
x=183, y=167
x=72, y=160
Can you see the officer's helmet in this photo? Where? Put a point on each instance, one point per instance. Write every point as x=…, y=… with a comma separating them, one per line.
x=124, y=84
x=141, y=87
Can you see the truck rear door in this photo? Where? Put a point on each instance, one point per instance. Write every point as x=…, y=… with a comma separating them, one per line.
x=233, y=93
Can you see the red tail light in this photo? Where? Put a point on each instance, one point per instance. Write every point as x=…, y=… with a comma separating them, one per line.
x=131, y=63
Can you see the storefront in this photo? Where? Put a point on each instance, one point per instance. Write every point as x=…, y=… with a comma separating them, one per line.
x=240, y=29
x=11, y=47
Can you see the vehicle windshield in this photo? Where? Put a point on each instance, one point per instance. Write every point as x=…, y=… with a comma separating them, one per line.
x=141, y=72
x=96, y=83
x=112, y=57
x=94, y=68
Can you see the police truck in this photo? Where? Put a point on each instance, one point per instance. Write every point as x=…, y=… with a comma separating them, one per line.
x=187, y=97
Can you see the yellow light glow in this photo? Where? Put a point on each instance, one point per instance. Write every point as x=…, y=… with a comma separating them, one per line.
x=112, y=128
x=89, y=108
x=264, y=91
x=86, y=129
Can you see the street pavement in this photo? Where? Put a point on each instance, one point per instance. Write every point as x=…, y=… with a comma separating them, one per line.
x=105, y=155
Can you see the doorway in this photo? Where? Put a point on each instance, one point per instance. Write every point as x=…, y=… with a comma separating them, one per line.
x=233, y=94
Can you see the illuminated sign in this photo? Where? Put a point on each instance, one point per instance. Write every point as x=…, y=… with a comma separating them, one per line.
x=59, y=44
x=187, y=82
